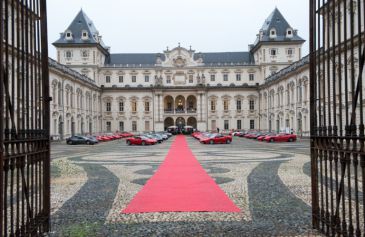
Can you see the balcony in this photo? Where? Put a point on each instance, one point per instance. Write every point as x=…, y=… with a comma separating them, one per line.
x=168, y=111
x=191, y=111
x=181, y=111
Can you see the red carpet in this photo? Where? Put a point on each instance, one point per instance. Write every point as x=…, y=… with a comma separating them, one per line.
x=181, y=185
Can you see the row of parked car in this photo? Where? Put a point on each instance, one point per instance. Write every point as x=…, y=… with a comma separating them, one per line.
x=266, y=136
x=149, y=138
x=212, y=138
x=92, y=140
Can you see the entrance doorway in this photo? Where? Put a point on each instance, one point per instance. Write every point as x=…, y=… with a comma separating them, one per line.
x=180, y=122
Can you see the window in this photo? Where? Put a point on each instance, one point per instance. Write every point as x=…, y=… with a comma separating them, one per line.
x=290, y=51
x=238, y=77
x=120, y=79
x=273, y=52
x=225, y=105
x=85, y=53
x=147, y=126
x=108, y=126
x=289, y=33
x=147, y=106
x=212, y=77
x=121, y=126
x=252, y=124
x=238, y=105
x=68, y=35
x=134, y=106
x=226, y=124
x=134, y=126
x=107, y=79
x=191, y=79
x=212, y=105
x=251, y=77
x=168, y=79
x=68, y=54
x=225, y=77
x=121, y=106
x=239, y=124
x=134, y=78
x=252, y=104
x=108, y=106
x=85, y=35
x=146, y=78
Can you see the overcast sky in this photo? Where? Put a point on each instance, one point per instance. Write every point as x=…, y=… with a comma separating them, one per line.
x=149, y=26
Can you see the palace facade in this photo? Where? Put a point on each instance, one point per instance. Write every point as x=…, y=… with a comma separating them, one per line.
x=96, y=91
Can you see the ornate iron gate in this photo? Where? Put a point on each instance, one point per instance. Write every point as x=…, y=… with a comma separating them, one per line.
x=337, y=56
x=24, y=119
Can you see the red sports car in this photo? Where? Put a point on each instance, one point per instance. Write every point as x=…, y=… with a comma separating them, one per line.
x=216, y=138
x=261, y=138
x=282, y=137
x=125, y=134
x=140, y=140
x=103, y=138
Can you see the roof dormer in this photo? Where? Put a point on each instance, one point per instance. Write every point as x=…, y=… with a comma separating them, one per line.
x=68, y=35
x=289, y=33
x=84, y=35
x=273, y=33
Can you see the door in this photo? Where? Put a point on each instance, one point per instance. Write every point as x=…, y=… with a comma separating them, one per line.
x=25, y=134
x=337, y=116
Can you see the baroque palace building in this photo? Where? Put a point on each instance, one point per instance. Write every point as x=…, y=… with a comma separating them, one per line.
x=96, y=91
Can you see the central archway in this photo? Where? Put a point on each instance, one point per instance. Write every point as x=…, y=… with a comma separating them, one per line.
x=180, y=122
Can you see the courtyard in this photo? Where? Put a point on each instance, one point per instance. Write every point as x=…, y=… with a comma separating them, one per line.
x=268, y=182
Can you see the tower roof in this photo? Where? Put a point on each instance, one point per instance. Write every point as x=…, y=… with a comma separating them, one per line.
x=81, y=23
x=277, y=22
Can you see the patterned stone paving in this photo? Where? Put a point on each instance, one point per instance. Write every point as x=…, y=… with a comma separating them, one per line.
x=268, y=182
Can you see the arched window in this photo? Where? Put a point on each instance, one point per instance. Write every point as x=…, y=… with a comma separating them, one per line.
x=59, y=93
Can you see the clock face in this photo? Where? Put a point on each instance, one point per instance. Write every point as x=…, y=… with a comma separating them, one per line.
x=179, y=62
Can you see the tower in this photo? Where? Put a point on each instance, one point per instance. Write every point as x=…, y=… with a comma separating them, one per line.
x=81, y=47
x=277, y=45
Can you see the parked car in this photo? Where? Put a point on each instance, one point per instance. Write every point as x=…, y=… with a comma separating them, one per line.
x=93, y=138
x=173, y=130
x=155, y=136
x=281, y=137
x=104, y=138
x=262, y=136
x=216, y=138
x=188, y=130
x=125, y=134
x=140, y=140
x=167, y=134
x=236, y=133
x=80, y=140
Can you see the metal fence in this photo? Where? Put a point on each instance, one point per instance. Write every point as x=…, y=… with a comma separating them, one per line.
x=24, y=115
x=337, y=55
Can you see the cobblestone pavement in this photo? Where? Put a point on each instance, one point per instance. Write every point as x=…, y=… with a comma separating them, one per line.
x=269, y=182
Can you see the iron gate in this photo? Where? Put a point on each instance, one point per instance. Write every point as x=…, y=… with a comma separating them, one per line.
x=24, y=119
x=337, y=56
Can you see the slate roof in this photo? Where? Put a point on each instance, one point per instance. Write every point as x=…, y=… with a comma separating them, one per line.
x=133, y=58
x=80, y=23
x=227, y=57
x=277, y=21
x=208, y=58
